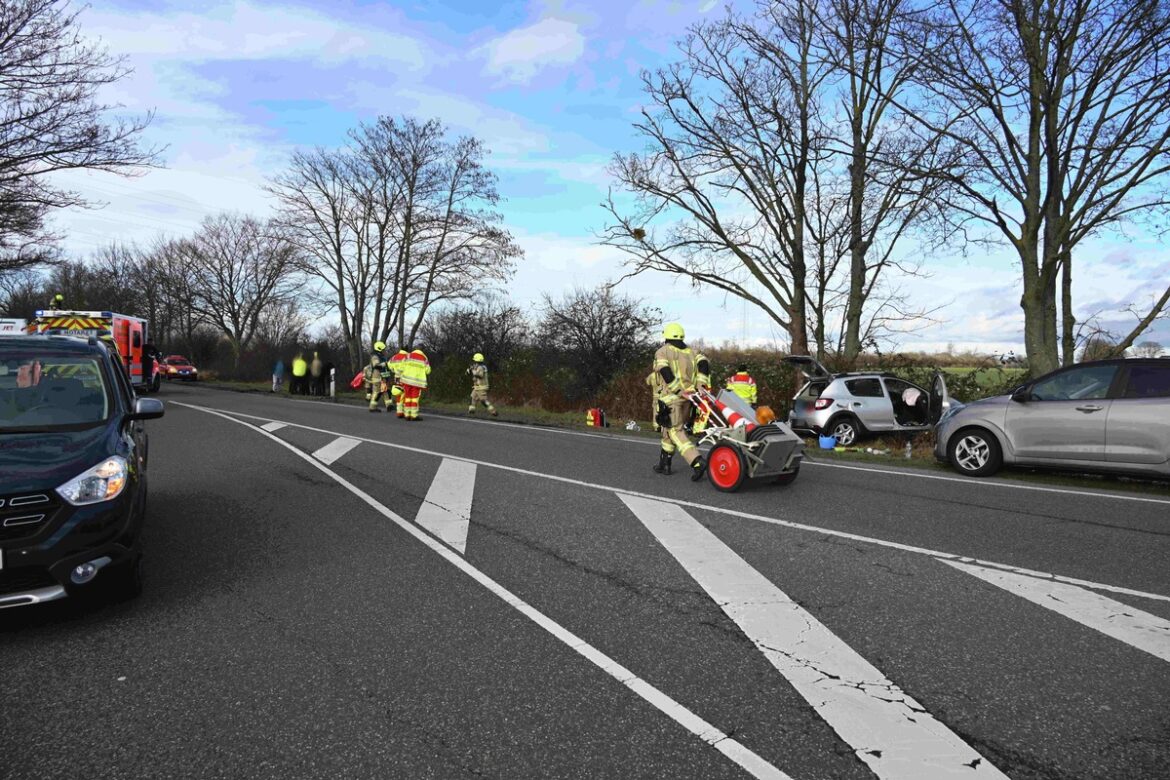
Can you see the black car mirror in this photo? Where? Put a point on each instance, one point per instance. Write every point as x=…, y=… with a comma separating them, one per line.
x=1021, y=394
x=147, y=409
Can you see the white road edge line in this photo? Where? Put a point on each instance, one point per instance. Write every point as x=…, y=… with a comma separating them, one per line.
x=992, y=483
x=446, y=511
x=1120, y=621
x=887, y=729
x=907, y=472
x=721, y=510
x=335, y=449
x=749, y=761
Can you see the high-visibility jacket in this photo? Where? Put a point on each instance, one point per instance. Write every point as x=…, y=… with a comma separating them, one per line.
x=375, y=369
x=415, y=369
x=681, y=363
x=744, y=386
x=479, y=377
x=702, y=379
x=300, y=367
x=397, y=362
x=316, y=367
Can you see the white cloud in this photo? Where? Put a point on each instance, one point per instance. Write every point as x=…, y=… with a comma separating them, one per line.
x=517, y=56
x=242, y=30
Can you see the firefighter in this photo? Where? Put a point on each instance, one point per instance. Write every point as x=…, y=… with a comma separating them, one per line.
x=399, y=394
x=742, y=384
x=375, y=374
x=299, y=370
x=652, y=380
x=57, y=302
x=316, y=370
x=677, y=374
x=413, y=376
x=479, y=385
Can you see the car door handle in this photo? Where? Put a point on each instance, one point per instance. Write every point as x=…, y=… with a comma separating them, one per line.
x=1089, y=409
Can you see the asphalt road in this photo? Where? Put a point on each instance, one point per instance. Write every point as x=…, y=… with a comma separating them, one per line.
x=592, y=619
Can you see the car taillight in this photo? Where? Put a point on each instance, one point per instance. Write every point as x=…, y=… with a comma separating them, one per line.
x=822, y=403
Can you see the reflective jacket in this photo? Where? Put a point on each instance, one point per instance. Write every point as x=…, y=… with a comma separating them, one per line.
x=415, y=369
x=680, y=364
x=299, y=367
x=743, y=385
x=397, y=362
x=374, y=370
x=479, y=376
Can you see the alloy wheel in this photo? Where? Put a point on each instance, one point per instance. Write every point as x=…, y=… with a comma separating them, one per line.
x=972, y=453
x=845, y=433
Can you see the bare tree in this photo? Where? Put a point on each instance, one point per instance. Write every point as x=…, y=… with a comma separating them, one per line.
x=51, y=121
x=1148, y=349
x=1058, y=112
x=493, y=327
x=242, y=268
x=602, y=331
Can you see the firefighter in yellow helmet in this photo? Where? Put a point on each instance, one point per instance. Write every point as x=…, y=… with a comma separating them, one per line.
x=413, y=377
x=479, y=385
x=377, y=373
x=677, y=371
x=396, y=364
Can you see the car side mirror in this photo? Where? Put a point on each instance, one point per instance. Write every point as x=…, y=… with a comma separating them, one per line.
x=1022, y=394
x=147, y=409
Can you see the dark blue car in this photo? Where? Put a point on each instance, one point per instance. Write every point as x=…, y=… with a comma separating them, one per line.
x=73, y=456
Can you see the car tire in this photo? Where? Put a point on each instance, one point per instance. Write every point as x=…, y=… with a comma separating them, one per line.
x=846, y=429
x=975, y=452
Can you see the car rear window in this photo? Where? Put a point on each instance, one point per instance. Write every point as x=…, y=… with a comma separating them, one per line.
x=865, y=388
x=51, y=392
x=1148, y=382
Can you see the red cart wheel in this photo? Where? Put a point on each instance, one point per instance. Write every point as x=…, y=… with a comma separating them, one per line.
x=726, y=468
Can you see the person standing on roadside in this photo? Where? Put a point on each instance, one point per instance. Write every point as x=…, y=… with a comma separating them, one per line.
x=479, y=385
x=278, y=376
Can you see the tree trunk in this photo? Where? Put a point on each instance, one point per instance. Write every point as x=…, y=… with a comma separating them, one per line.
x=857, y=248
x=1068, y=319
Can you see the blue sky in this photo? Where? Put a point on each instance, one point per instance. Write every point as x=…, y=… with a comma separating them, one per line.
x=552, y=87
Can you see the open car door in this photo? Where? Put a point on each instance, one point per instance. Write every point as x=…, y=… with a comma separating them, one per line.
x=808, y=365
x=940, y=400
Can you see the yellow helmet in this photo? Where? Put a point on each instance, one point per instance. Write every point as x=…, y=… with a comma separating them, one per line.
x=477, y=357
x=379, y=346
x=673, y=331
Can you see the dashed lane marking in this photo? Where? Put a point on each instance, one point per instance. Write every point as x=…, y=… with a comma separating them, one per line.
x=887, y=729
x=719, y=510
x=1121, y=621
x=335, y=449
x=446, y=511
x=734, y=750
x=273, y=427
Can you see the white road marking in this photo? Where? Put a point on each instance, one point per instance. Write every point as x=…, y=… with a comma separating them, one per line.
x=719, y=510
x=906, y=472
x=273, y=427
x=1133, y=626
x=335, y=449
x=446, y=511
x=991, y=483
x=887, y=729
x=749, y=761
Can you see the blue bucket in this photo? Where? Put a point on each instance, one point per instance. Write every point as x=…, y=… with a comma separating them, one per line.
x=828, y=442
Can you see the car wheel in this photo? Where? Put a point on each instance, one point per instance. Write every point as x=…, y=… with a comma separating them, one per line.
x=846, y=430
x=975, y=452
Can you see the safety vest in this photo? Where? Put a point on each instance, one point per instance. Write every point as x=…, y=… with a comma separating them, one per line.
x=300, y=367
x=744, y=386
x=414, y=370
x=397, y=362
x=316, y=367
x=682, y=364
x=479, y=377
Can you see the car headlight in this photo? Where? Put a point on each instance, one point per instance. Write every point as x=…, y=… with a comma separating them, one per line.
x=103, y=482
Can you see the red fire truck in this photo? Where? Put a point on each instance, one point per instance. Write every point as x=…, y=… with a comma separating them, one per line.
x=128, y=333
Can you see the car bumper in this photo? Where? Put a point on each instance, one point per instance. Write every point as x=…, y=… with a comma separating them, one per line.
x=37, y=569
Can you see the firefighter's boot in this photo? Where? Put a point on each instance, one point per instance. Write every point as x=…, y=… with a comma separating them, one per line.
x=698, y=469
x=663, y=467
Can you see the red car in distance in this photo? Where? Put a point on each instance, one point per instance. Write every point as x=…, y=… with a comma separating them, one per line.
x=179, y=367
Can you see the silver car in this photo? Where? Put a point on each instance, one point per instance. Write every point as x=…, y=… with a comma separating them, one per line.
x=852, y=406
x=1109, y=416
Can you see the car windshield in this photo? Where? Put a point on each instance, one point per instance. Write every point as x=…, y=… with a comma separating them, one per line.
x=178, y=362
x=50, y=392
